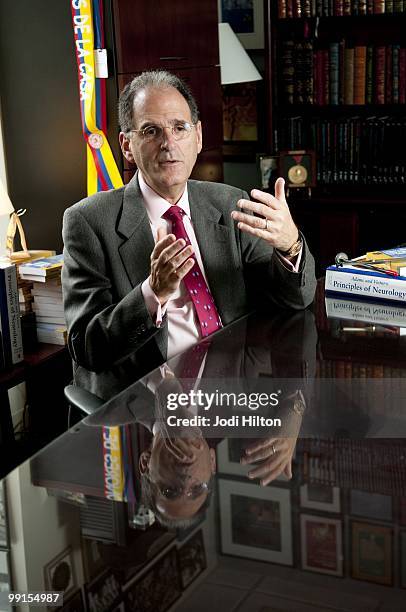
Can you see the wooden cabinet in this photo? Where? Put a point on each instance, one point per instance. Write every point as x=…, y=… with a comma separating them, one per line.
x=167, y=34
x=183, y=39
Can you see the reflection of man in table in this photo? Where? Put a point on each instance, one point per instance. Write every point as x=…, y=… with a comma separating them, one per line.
x=153, y=267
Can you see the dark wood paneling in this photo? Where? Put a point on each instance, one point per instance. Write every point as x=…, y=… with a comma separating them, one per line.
x=156, y=34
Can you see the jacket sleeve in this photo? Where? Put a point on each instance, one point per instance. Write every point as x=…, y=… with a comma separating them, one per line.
x=269, y=279
x=101, y=329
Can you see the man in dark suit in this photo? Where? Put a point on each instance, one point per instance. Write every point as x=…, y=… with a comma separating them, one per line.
x=153, y=267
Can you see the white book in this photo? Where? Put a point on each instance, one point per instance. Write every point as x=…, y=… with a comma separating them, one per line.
x=366, y=284
x=48, y=299
x=367, y=312
x=48, y=309
x=50, y=319
x=10, y=323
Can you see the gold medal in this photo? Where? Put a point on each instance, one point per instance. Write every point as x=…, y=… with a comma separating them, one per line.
x=297, y=174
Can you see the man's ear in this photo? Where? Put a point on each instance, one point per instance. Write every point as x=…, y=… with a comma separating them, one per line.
x=144, y=460
x=125, y=147
x=199, y=136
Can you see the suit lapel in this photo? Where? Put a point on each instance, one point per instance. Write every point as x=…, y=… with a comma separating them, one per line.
x=134, y=227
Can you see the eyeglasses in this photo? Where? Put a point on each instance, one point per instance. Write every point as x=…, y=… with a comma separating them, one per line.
x=193, y=492
x=154, y=133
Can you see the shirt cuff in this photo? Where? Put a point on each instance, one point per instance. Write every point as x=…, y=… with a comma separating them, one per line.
x=152, y=303
x=288, y=264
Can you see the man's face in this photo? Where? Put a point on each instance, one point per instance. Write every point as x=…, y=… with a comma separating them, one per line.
x=165, y=163
x=165, y=471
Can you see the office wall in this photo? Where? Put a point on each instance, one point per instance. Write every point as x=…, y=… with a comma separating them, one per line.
x=43, y=146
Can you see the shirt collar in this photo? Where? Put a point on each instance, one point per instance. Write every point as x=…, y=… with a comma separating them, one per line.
x=156, y=205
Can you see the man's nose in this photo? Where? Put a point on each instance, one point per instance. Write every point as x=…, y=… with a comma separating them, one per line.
x=168, y=138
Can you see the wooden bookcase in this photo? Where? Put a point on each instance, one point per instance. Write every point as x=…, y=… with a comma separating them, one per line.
x=359, y=202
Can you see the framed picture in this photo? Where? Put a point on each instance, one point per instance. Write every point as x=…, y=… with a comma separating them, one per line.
x=256, y=521
x=268, y=166
x=229, y=452
x=192, y=559
x=5, y=584
x=60, y=575
x=320, y=497
x=157, y=588
x=402, y=546
x=321, y=542
x=246, y=18
x=75, y=603
x=371, y=505
x=104, y=592
x=3, y=517
x=240, y=113
x=372, y=553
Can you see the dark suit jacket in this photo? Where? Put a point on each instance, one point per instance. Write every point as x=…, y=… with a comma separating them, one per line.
x=108, y=243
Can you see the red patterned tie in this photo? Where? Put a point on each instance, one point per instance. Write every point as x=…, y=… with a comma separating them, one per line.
x=202, y=299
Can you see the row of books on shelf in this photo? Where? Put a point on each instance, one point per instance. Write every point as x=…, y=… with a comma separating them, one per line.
x=377, y=467
x=338, y=8
x=347, y=369
x=349, y=150
x=342, y=73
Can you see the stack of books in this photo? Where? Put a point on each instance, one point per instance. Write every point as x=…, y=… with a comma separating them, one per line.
x=46, y=292
x=383, y=280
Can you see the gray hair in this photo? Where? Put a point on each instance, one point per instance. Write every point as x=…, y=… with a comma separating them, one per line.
x=148, y=499
x=154, y=78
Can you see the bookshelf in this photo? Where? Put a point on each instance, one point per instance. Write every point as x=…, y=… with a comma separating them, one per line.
x=337, y=85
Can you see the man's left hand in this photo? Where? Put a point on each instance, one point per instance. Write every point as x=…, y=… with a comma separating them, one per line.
x=272, y=456
x=275, y=223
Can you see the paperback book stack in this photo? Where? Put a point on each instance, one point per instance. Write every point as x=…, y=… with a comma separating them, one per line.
x=45, y=275
x=11, y=344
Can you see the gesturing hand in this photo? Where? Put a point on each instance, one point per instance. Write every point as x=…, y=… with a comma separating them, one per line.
x=272, y=456
x=275, y=225
x=170, y=262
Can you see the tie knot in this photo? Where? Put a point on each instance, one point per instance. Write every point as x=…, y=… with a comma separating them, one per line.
x=174, y=212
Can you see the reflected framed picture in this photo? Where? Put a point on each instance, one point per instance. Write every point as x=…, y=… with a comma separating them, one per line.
x=74, y=603
x=320, y=497
x=372, y=553
x=192, y=559
x=59, y=574
x=246, y=18
x=240, y=115
x=104, y=592
x=402, y=546
x=321, y=543
x=256, y=521
x=157, y=588
x=268, y=166
x=371, y=505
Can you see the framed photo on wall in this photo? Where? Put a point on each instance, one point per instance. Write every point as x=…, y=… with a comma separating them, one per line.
x=103, y=593
x=157, y=588
x=256, y=521
x=371, y=505
x=59, y=574
x=321, y=543
x=320, y=497
x=229, y=452
x=246, y=18
x=372, y=553
x=192, y=559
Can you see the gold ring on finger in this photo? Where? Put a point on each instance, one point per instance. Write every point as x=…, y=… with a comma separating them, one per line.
x=267, y=226
x=273, y=449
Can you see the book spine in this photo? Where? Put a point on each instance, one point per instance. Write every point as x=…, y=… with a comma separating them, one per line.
x=373, y=287
x=359, y=74
x=289, y=8
x=379, y=7
x=347, y=7
x=282, y=14
x=307, y=8
x=395, y=73
x=389, y=6
x=362, y=7
x=334, y=72
x=339, y=8
x=297, y=9
x=370, y=7
x=388, y=75
x=10, y=316
x=288, y=71
x=402, y=76
x=380, y=55
x=369, y=86
x=398, y=6
x=349, y=76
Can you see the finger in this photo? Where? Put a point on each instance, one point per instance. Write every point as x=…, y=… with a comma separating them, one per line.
x=267, y=467
x=185, y=268
x=161, y=245
x=260, y=444
x=256, y=207
x=179, y=259
x=257, y=222
x=280, y=189
x=288, y=470
x=272, y=476
x=266, y=198
x=266, y=235
x=169, y=251
x=181, y=451
x=184, y=448
x=263, y=453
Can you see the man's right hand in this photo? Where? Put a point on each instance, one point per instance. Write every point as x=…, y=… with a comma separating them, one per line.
x=170, y=262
